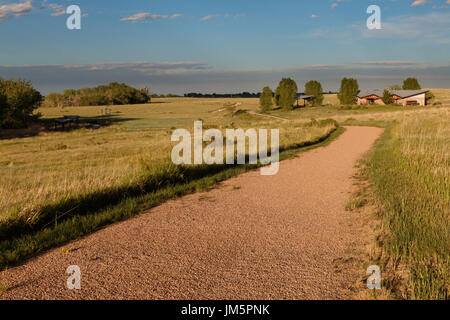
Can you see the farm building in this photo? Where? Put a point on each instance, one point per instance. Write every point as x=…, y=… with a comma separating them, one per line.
x=402, y=97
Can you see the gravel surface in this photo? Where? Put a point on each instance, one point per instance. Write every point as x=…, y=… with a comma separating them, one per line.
x=286, y=236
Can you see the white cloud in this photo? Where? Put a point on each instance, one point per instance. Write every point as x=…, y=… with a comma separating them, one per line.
x=15, y=9
x=314, y=16
x=144, y=16
x=419, y=3
x=227, y=15
x=209, y=17
x=176, y=15
x=58, y=10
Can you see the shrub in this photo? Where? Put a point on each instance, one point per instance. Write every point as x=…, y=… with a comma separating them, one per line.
x=429, y=97
x=387, y=97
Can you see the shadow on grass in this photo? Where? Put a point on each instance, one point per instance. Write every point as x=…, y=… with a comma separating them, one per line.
x=51, y=125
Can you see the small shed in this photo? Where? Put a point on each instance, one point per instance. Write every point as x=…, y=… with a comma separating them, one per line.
x=303, y=97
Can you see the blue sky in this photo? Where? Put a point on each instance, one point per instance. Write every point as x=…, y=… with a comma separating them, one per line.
x=219, y=46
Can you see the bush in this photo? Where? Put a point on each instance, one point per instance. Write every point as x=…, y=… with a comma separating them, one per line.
x=429, y=97
x=387, y=97
x=18, y=100
x=348, y=91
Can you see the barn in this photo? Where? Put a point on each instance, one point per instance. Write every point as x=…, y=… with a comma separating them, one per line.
x=402, y=97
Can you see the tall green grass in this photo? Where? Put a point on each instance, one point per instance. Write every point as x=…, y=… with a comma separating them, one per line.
x=410, y=170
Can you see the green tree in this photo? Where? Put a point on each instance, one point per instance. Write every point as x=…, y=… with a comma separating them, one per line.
x=285, y=93
x=348, y=91
x=265, y=100
x=53, y=100
x=111, y=94
x=387, y=97
x=277, y=96
x=411, y=84
x=3, y=106
x=20, y=100
x=314, y=88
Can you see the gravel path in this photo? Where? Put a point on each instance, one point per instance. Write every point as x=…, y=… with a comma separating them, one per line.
x=255, y=237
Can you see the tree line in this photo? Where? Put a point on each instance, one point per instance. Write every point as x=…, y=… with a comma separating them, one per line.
x=19, y=100
x=286, y=92
x=103, y=95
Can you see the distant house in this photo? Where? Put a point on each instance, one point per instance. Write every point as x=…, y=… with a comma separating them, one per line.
x=402, y=97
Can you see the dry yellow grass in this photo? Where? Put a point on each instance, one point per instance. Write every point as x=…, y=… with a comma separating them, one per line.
x=45, y=169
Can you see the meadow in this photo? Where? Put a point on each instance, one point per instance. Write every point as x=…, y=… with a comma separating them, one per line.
x=59, y=185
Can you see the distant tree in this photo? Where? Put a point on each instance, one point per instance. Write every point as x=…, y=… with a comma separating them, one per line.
x=387, y=97
x=3, y=105
x=18, y=101
x=146, y=92
x=277, y=96
x=265, y=99
x=53, y=100
x=395, y=87
x=314, y=88
x=285, y=93
x=348, y=91
x=411, y=84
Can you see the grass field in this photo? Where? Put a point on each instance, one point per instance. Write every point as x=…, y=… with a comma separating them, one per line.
x=410, y=170
x=57, y=186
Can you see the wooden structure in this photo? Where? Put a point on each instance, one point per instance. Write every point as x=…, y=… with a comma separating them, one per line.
x=303, y=97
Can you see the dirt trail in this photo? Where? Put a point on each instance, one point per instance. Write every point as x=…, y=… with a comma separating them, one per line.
x=255, y=237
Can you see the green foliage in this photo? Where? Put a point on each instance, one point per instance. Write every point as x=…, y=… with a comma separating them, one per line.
x=18, y=100
x=112, y=94
x=285, y=93
x=3, y=106
x=277, y=96
x=314, y=88
x=411, y=84
x=265, y=100
x=429, y=97
x=348, y=91
x=387, y=97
